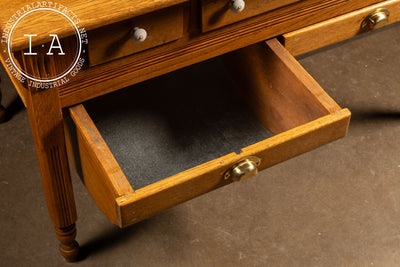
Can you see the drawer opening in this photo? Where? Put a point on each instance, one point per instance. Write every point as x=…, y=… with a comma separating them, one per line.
x=159, y=143
x=175, y=122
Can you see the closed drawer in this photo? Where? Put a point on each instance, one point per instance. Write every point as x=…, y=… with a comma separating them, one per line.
x=219, y=13
x=134, y=35
x=143, y=150
x=342, y=27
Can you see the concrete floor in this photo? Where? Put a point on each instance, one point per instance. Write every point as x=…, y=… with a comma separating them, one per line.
x=338, y=205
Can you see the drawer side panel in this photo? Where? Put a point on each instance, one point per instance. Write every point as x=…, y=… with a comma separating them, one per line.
x=94, y=163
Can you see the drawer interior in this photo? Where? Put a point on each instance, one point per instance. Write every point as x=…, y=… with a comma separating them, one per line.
x=175, y=122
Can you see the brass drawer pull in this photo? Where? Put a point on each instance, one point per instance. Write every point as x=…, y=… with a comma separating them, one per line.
x=376, y=19
x=139, y=35
x=237, y=6
x=243, y=169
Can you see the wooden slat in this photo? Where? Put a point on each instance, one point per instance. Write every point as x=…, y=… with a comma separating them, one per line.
x=335, y=30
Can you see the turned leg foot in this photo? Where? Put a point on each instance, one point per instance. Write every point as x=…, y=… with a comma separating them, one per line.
x=69, y=248
x=2, y=110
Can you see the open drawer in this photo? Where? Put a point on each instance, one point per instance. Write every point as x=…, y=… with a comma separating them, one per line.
x=194, y=134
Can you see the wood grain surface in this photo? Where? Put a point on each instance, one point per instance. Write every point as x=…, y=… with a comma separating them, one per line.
x=97, y=167
x=216, y=14
x=114, y=41
x=91, y=15
x=293, y=97
x=336, y=29
x=176, y=189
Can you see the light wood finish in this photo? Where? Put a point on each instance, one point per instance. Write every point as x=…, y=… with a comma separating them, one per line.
x=91, y=15
x=193, y=48
x=94, y=162
x=114, y=41
x=176, y=189
x=313, y=119
x=336, y=29
x=46, y=121
x=293, y=97
x=216, y=14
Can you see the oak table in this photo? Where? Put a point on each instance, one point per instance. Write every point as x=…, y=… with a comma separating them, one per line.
x=61, y=54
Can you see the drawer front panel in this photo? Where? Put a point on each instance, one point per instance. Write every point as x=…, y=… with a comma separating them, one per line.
x=218, y=13
x=284, y=98
x=337, y=29
x=116, y=40
x=184, y=186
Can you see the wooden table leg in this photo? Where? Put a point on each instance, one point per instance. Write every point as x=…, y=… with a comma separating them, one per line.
x=46, y=120
x=48, y=132
x=2, y=110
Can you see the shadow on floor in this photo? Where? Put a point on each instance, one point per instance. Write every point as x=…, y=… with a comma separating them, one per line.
x=107, y=239
x=13, y=108
x=360, y=116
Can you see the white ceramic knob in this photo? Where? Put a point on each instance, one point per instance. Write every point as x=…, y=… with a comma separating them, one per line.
x=139, y=35
x=237, y=6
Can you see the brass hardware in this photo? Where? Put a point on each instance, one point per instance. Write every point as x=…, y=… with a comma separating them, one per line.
x=376, y=19
x=243, y=169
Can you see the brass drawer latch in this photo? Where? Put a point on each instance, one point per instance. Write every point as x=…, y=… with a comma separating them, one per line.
x=243, y=169
x=376, y=19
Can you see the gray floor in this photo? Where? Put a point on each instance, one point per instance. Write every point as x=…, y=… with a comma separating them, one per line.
x=338, y=205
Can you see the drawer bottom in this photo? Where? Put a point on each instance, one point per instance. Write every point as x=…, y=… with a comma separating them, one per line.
x=175, y=122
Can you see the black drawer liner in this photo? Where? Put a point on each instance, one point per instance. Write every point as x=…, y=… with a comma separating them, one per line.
x=177, y=121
